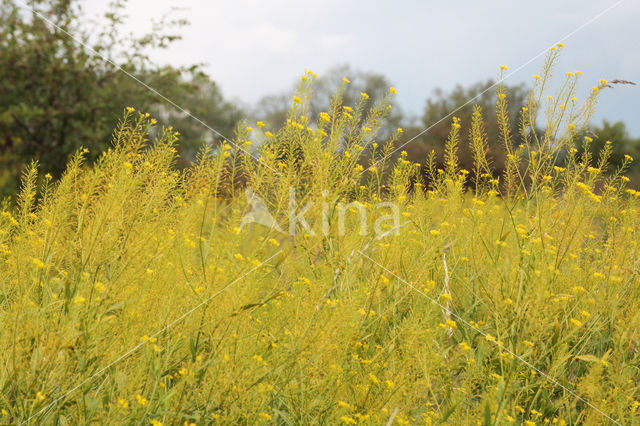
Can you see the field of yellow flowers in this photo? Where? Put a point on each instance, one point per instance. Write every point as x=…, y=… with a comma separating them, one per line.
x=134, y=293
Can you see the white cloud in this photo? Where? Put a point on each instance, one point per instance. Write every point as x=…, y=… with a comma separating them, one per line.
x=334, y=41
x=265, y=37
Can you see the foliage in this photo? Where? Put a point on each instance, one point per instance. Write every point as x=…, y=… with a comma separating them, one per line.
x=57, y=95
x=622, y=144
x=132, y=294
x=273, y=109
x=465, y=101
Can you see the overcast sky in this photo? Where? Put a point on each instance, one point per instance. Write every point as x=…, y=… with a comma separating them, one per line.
x=255, y=47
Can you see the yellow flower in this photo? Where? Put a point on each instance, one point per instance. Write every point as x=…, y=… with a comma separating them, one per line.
x=560, y=45
x=537, y=77
x=123, y=403
x=274, y=242
x=265, y=416
x=297, y=100
x=141, y=400
x=628, y=157
x=130, y=109
x=393, y=90
x=40, y=396
x=260, y=124
x=364, y=95
x=344, y=404
x=348, y=420
x=38, y=263
x=345, y=80
x=576, y=322
x=504, y=67
x=446, y=296
x=79, y=299
x=325, y=117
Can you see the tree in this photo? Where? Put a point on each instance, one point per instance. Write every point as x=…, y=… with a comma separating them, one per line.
x=462, y=100
x=621, y=142
x=57, y=95
x=272, y=109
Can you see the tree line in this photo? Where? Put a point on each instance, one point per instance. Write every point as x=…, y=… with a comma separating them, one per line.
x=58, y=94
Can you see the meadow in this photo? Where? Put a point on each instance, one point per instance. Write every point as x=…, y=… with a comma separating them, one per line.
x=133, y=293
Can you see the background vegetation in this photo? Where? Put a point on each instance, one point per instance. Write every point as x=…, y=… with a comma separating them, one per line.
x=57, y=95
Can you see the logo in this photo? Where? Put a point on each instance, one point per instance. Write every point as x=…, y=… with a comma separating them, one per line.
x=325, y=214
x=259, y=212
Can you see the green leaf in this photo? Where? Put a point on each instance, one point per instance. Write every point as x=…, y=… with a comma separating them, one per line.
x=487, y=415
